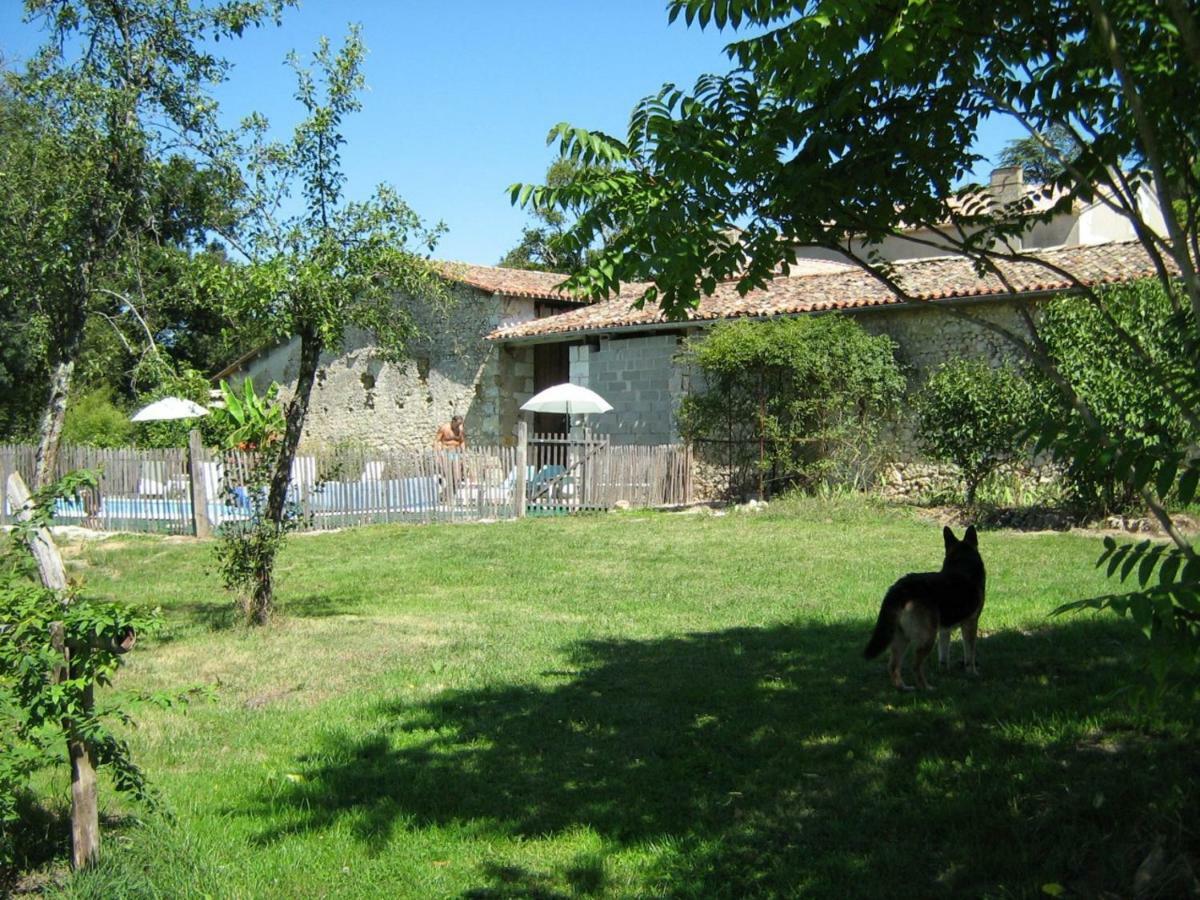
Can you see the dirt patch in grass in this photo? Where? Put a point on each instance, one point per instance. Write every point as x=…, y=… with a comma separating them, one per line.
x=1047, y=519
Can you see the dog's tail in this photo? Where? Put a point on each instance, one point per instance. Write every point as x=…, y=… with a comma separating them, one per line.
x=885, y=625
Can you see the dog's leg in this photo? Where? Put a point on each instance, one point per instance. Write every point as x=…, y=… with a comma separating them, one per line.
x=970, y=631
x=899, y=646
x=923, y=651
x=943, y=648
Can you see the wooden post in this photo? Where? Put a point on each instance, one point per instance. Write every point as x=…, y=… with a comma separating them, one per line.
x=582, y=493
x=522, y=462
x=85, y=817
x=201, y=526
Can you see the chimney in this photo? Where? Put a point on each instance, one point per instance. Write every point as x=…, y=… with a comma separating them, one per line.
x=1008, y=184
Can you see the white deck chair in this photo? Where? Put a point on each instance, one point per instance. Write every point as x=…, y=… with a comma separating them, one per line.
x=304, y=471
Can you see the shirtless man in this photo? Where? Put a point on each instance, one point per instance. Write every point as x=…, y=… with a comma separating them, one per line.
x=451, y=436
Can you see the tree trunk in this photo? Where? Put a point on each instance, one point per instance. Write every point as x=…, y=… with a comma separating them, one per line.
x=53, y=418
x=310, y=356
x=55, y=414
x=85, y=808
x=85, y=812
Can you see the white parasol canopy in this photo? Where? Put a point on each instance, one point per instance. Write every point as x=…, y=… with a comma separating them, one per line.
x=569, y=399
x=169, y=408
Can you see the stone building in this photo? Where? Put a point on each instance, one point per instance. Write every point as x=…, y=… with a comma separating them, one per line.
x=359, y=398
x=630, y=356
x=509, y=333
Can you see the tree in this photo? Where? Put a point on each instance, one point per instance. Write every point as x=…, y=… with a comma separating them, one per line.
x=545, y=247
x=115, y=86
x=335, y=265
x=857, y=120
x=88, y=127
x=1041, y=157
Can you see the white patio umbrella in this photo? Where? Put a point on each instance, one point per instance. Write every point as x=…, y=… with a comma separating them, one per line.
x=567, y=398
x=169, y=408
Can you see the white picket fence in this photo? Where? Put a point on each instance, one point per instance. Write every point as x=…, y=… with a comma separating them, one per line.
x=153, y=490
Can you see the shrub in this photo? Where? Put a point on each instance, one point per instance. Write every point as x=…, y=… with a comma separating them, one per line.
x=972, y=414
x=248, y=547
x=46, y=702
x=248, y=421
x=791, y=402
x=94, y=420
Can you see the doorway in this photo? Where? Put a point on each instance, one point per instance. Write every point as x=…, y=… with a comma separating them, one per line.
x=551, y=366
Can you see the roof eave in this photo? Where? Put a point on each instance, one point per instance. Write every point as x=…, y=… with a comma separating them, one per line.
x=555, y=337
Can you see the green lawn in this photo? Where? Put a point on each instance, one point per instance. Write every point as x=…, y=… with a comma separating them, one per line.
x=634, y=705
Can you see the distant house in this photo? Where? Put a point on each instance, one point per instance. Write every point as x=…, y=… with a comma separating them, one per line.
x=511, y=333
x=1078, y=225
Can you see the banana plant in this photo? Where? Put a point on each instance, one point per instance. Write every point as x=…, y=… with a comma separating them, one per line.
x=251, y=422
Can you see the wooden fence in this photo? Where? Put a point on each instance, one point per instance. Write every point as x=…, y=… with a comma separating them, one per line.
x=193, y=492
x=139, y=490
x=575, y=474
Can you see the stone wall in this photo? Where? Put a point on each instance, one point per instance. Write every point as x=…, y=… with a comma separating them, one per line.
x=926, y=337
x=358, y=398
x=509, y=383
x=639, y=376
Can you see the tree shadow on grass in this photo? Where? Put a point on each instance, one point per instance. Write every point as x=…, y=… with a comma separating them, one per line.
x=320, y=606
x=40, y=844
x=773, y=760
x=223, y=614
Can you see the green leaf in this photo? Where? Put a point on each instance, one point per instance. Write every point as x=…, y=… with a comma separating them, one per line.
x=1142, y=612
x=1135, y=554
x=1187, y=484
x=1169, y=568
x=1166, y=476
x=1143, y=470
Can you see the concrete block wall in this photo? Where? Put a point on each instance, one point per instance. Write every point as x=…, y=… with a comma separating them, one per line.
x=640, y=377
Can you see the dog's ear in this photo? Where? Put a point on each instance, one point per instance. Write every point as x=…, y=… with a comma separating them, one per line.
x=949, y=537
x=971, y=539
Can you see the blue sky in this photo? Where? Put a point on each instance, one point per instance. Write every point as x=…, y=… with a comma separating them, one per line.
x=461, y=95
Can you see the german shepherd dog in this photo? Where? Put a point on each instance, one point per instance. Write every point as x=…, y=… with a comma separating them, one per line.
x=924, y=605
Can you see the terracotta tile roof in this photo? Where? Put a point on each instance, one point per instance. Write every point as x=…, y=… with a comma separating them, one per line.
x=510, y=282
x=927, y=279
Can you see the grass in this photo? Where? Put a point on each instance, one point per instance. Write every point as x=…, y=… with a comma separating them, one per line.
x=634, y=705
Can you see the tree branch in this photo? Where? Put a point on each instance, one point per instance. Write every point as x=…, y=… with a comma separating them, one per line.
x=1153, y=153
